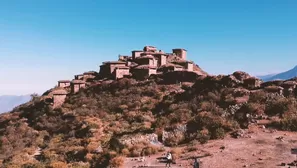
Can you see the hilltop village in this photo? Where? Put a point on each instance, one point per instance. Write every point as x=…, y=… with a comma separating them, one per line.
x=140, y=65
x=143, y=64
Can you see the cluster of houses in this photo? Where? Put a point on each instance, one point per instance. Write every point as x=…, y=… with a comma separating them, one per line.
x=143, y=63
x=140, y=65
x=151, y=61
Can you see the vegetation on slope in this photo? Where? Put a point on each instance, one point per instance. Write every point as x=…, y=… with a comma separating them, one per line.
x=86, y=130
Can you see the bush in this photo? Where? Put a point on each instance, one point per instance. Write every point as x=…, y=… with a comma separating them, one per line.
x=58, y=165
x=287, y=124
x=116, y=162
x=219, y=133
x=278, y=106
x=203, y=136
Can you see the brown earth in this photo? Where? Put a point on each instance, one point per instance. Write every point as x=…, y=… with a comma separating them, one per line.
x=261, y=148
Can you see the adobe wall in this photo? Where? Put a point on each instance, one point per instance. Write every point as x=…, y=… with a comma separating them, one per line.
x=58, y=100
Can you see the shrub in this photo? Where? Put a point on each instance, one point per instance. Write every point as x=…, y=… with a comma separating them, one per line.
x=278, y=106
x=288, y=124
x=150, y=150
x=58, y=164
x=203, y=136
x=125, y=152
x=116, y=162
x=219, y=133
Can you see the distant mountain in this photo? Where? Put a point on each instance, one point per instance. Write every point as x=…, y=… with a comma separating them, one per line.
x=282, y=76
x=8, y=102
x=264, y=77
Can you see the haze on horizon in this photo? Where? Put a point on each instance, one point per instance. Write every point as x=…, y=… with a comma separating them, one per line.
x=42, y=42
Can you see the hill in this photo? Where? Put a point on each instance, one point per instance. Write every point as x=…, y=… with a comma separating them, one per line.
x=8, y=102
x=142, y=105
x=282, y=76
x=100, y=124
x=265, y=77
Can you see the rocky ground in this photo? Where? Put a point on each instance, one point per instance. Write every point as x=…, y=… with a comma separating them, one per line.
x=256, y=147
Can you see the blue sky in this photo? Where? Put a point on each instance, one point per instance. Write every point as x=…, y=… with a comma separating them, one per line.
x=45, y=41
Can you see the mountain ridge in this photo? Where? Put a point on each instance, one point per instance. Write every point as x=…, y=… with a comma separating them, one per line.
x=291, y=73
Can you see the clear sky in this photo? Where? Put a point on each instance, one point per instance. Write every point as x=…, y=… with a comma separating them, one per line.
x=42, y=41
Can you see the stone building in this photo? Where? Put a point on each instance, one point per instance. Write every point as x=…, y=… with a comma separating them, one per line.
x=143, y=71
x=170, y=68
x=63, y=83
x=59, y=97
x=161, y=58
x=121, y=72
x=136, y=53
x=76, y=85
x=182, y=53
x=187, y=65
x=89, y=75
x=146, y=60
x=107, y=69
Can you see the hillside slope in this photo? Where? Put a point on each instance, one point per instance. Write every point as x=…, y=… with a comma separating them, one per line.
x=107, y=121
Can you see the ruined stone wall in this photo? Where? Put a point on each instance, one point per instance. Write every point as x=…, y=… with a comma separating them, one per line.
x=58, y=100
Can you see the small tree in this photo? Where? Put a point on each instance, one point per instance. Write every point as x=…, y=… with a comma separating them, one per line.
x=34, y=96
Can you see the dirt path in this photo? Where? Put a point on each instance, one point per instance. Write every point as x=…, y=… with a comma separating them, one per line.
x=263, y=149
